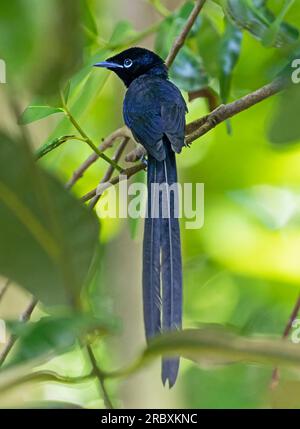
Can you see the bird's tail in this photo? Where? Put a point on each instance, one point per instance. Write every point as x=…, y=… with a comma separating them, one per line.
x=162, y=268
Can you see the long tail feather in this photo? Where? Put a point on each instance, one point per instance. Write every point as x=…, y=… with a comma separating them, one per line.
x=171, y=265
x=151, y=260
x=162, y=305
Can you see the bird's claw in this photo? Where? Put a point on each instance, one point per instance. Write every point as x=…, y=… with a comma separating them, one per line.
x=144, y=160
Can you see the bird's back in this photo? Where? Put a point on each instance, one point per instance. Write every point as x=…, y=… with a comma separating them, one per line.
x=154, y=108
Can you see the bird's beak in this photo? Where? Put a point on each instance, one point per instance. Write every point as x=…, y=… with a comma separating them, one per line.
x=108, y=65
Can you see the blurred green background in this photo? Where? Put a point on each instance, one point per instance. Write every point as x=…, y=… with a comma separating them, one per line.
x=241, y=270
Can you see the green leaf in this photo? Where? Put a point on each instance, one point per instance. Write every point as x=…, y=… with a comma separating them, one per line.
x=181, y=17
x=285, y=125
x=208, y=41
x=35, y=113
x=66, y=92
x=188, y=71
x=172, y=27
x=17, y=37
x=88, y=19
x=271, y=34
x=123, y=30
x=53, y=335
x=48, y=238
x=258, y=22
x=160, y=7
x=87, y=81
x=229, y=55
x=50, y=146
x=84, y=86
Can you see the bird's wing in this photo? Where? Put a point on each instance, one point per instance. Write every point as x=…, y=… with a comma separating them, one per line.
x=173, y=118
x=147, y=129
x=153, y=108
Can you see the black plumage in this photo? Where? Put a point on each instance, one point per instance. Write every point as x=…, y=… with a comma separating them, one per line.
x=154, y=110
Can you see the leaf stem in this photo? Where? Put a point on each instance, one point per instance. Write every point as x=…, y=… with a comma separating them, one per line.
x=87, y=139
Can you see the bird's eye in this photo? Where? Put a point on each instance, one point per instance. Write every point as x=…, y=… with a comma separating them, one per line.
x=128, y=63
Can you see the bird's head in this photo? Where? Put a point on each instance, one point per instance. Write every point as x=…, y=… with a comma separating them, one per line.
x=135, y=62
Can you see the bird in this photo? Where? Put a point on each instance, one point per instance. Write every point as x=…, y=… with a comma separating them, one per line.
x=154, y=110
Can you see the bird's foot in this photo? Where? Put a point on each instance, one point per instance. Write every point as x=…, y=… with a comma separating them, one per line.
x=144, y=160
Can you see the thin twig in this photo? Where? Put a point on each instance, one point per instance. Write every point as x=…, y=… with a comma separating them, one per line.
x=203, y=125
x=136, y=154
x=25, y=316
x=110, y=170
x=86, y=138
x=100, y=377
x=179, y=42
x=4, y=289
x=286, y=332
x=125, y=175
x=110, y=140
x=107, y=143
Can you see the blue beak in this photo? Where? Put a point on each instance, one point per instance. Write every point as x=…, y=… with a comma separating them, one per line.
x=108, y=65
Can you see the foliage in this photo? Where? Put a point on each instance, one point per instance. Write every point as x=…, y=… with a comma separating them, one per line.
x=241, y=271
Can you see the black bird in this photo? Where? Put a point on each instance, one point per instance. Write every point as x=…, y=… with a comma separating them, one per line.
x=155, y=110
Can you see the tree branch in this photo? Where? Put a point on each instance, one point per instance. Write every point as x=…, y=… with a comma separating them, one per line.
x=25, y=316
x=286, y=332
x=107, y=143
x=179, y=42
x=203, y=125
x=110, y=170
x=125, y=175
x=199, y=128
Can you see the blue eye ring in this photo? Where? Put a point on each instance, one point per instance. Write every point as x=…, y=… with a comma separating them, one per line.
x=128, y=63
